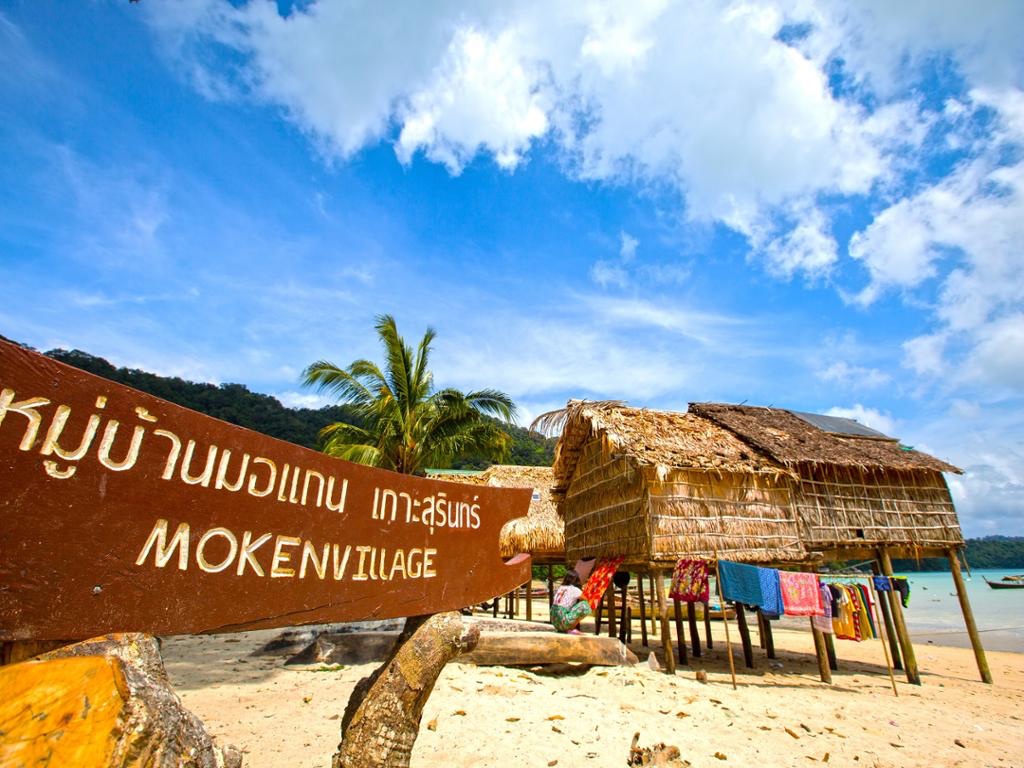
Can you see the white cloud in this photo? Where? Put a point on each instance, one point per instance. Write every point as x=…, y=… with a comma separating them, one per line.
x=869, y=417
x=808, y=247
x=627, y=247
x=293, y=399
x=606, y=273
x=854, y=376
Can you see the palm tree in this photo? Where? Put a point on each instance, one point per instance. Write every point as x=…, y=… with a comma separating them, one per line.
x=403, y=423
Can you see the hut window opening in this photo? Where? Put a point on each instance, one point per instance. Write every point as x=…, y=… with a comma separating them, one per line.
x=858, y=532
x=536, y=495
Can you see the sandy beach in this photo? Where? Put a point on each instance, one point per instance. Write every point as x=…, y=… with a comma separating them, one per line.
x=780, y=715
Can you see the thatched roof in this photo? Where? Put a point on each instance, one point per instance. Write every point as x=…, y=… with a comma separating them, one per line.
x=791, y=440
x=653, y=438
x=541, y=532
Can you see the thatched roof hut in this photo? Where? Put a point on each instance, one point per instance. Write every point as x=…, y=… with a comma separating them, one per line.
x=742, y=483
x=542, y=532
x=856, y=489
x=655, y=486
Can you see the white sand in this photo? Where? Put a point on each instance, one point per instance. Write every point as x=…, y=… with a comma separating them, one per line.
x=494, y=716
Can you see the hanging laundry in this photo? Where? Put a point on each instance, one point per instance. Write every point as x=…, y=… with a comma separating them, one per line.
x=847, y=620
x=882, y=583
x=584, y=567
x=901, y=585
x=801, y=593
x=690, y=581
x=771, y=593
x=740, y=583
x=867, y=614
x=823, y=623
x=599, y=580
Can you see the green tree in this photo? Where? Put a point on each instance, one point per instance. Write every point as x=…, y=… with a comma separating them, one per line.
x=401, y=422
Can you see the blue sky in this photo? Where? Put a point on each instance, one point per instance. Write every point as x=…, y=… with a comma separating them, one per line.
x=816, y=205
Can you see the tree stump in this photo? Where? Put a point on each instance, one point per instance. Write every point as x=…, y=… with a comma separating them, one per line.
x=382, y=719
x=102, y=702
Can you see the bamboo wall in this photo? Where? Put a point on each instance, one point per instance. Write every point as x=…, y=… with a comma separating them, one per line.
x=844, y=507
x=605, y=507
x=738, y=516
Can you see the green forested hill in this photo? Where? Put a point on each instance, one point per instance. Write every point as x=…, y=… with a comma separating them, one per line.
x=986, y=552
x=263, y=413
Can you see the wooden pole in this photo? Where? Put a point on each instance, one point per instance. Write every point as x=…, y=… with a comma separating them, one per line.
x=650, y=584
x=707, y=625
x=909, y=658
x=599, y=616
x=830, y=649
x=965, y=608
x=890, y=632
x=612, y=618
x=885, y=648
x=529, y=600
x=551, y=585
x=666, y=634
x=643, y=611
x=769, y=639
x=677, y=610
x=624, y=622
x=824, y=671
x=725, y=621
x=691, y=619
x=760, y=630
x=741, y=622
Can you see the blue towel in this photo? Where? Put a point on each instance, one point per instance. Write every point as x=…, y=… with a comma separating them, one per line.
x=882, y=583
x=740, y=583
x=771, y=591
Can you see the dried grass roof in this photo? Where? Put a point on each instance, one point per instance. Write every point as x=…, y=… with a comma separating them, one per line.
x=652, y=438
x=542, y=531
x=790, y=440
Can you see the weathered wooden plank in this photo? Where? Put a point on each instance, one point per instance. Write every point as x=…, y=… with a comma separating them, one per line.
x=121, y=511
x=513, y=648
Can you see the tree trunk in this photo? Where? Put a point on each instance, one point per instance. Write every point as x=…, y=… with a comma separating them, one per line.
x=382, y=719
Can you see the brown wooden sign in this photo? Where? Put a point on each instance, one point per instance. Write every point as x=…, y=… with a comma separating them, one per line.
x=122, y=512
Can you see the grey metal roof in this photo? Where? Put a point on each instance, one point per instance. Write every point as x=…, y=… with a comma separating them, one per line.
x=839, y=426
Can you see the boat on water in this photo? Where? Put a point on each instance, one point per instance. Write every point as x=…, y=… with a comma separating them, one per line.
x=1007, y=582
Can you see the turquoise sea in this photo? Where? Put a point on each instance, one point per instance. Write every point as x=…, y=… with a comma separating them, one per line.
x=934, y=612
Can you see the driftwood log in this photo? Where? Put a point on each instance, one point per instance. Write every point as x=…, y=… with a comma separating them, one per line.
x=102, y=702
x=530, y=648
x=382, y=719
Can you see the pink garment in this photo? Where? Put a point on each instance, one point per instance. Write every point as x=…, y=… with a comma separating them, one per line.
x=801, y=594
x=584, y=567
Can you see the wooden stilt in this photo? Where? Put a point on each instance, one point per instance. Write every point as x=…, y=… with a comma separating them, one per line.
x=515, y=601
x=551, y=584
x=761, y=631
x=624, y=622
x=819, y=650
x=741, y=622
x=643, y=611
x=529, y=600
x=599, y=616
x=965, y=608
x=890, y=631
x=495, y=605
x=612, y=617
x=885, y=649
x=677, y=610
x=666, y=634
x=654, y=602
x=707, y=626
x=769, y=638
x=830, y=649
x=909, y=657
x=691, y=619
x=725, y=621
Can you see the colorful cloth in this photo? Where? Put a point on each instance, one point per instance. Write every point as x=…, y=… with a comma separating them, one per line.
x=740, y=583
x=563, y=619
x=901, y=585
x=882, y=583
x=599, y=580
x=771, y=593
x=689, y=581
x=801, y=594
x=567, y=595
x=847, y=621
x=823, y=623
x=867, y=614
